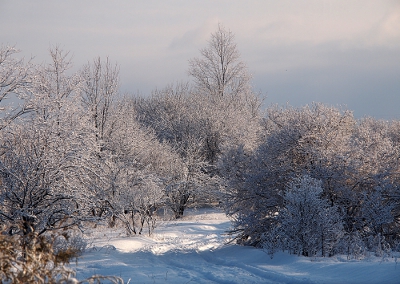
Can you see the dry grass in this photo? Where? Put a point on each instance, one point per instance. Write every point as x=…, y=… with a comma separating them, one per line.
x=33, y=259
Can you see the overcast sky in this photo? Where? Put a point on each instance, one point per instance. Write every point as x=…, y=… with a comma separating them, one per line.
x=331, y=51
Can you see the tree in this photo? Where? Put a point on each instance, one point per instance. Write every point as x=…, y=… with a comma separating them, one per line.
x=371, y=201
x=47, y=167
x=313, y=140
x=137, y=168
x=204, y=122
x=15, y=78
x=356, y=162
x=98, y=90
x=180, y=121
x=224, y=94
x=219, y=72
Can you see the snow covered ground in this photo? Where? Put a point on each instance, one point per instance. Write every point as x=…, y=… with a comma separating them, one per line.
x=194, y=250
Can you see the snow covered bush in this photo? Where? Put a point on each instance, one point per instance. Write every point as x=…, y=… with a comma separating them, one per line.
x=312, y=140
x=307, y=224
x=141, y=200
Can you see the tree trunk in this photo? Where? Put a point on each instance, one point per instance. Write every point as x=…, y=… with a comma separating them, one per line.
x=182, y=205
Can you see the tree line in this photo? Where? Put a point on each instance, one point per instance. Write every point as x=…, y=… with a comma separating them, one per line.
x=311, y=180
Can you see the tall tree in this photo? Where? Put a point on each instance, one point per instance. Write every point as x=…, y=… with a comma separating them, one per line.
x=222, y=89
x=219, y=71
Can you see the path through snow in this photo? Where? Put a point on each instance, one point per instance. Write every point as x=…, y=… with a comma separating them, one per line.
x=194, y=250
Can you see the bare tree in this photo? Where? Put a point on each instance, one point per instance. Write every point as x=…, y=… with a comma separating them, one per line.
x=51, y=80
x=99, y=88
x=224, y=94
x=219, y=72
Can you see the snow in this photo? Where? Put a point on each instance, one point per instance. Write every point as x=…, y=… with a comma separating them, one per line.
x=195, y=249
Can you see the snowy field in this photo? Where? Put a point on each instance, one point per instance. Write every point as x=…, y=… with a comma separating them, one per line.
x=194, y=250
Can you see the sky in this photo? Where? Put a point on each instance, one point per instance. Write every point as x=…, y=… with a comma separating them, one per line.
x=344, y=53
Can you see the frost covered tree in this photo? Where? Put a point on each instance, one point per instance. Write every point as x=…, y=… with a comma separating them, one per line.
x=222, y=84
x=99, y=88
x=219, y=71
x=192, y=185
x=374, y=184
x=46, y=167
x=313, y=139
x=377, y=213
x=375, y=155
x=356, y=162
x=137, y=169
x=178, y=120
x=15, y=79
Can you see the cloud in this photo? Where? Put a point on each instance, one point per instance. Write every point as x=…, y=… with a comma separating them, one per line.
x=317, y=22
x=195, y=36
x=389, y=28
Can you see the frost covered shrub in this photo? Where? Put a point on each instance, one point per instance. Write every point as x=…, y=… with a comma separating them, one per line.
x=307, y=224
x=352, y=245
x=376, y=212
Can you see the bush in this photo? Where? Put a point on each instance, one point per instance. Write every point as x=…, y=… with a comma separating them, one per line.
x=308, y=224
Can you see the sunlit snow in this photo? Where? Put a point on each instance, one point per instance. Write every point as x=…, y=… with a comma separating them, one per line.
x=195, y=249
